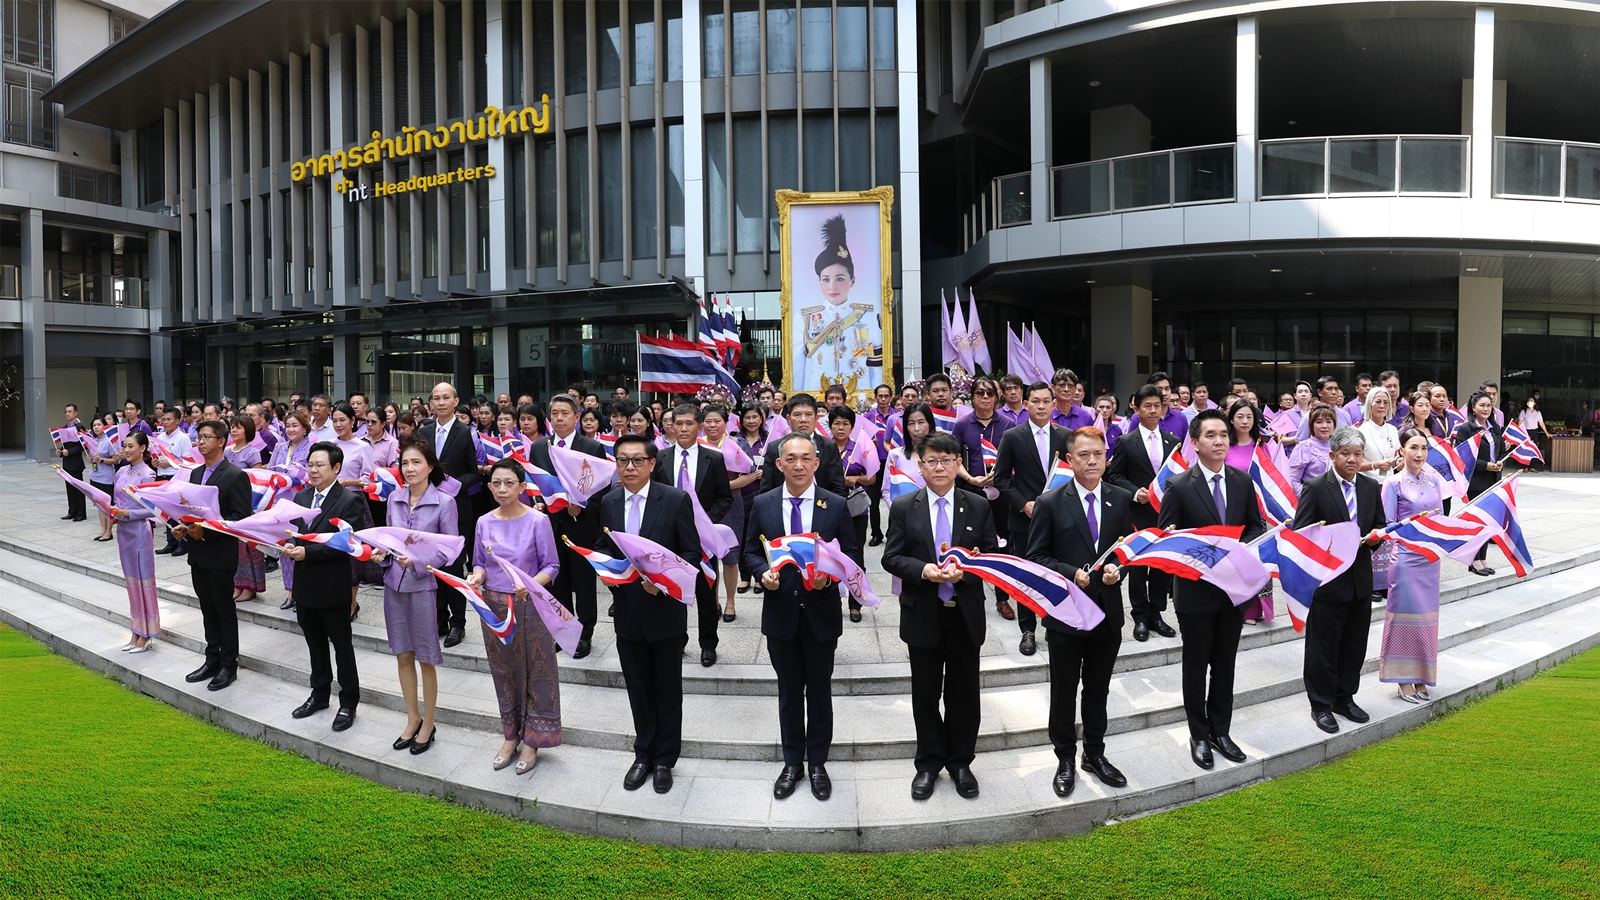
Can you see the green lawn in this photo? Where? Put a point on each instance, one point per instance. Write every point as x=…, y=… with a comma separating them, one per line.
x=107, y=793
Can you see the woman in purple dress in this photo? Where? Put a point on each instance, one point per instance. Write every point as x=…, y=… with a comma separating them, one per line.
x=409, y=589
x=1244, y=434
x=135, y=547
x=1310, y=456
x=250, y=578
x=353, y=476
x=385, y=450
x=289, y=457
x=1410, y=654
x=842, y=423
x=715, y=423
x=102, y=454
x=524, y=671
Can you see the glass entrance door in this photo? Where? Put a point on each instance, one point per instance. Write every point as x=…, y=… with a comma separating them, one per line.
x=598, y=366
x=279, y=378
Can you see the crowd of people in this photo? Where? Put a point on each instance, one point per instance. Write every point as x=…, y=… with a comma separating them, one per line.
x=980, y=475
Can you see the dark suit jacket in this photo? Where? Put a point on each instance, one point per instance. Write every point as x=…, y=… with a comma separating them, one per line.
x=830, y=469
x=218, y=551
x=73, y=461
x=459, y=459
x=1016, y=472
x=910, y=546
x=669, y=521
x=710, y=478
x=1322, y=500
x=1481, y=479
x=1188, y=504
x=1130, y=470
x=584, y=528
x=1060, y=540
x=322, y=579
x=781, y=609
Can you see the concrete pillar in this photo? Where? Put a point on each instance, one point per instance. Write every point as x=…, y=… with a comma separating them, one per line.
x=36, y=417
x=500, y=230
x=500, y=345
x=342, y=358
x=161, y=301
x=694, y=139
x=908, y=199
x=1119, y=333
x=341, y=214
x=1478, y=334
x=1245, y=104
x=1041, y=119
x=1483, y=115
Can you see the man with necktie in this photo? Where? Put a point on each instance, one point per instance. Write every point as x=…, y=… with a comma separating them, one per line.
x=1140, y=454
x=1340, y=615
x=1028, y=454
x=214, y=556
x=1209, y=493
x=652, y=628
x=574, y=586
x=1072, y=526
x=458, y=456
x=802, y=626
x=941, y=612
x=702, y=472
x=801, y=413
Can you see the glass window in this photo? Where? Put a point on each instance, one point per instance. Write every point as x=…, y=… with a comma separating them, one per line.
x=1433, y=337
x=672, y=10
x=1571, y=326
x=611, y=222
x=578, y=198
x=782, y=166
x=852, y=31
x=643, y=139
x=715, y=42
x=517, y=158
x=152, y=166
x=547, y=194
x=674, y=189
x=819, y=151
x=29, y=120
x=458, y=215
x=1536, y=323
x=816, y=36
x=30, y=33
x=430, y=222
x=716, y=188
x=1343, y=338
x=888, y=165
x=746, y=37
x=544, y=51
x=574, y=31
x=855, y=152
x=642, y=22
x=608, y=65
x=780, y=36
x=883, y=34
x=750, y=211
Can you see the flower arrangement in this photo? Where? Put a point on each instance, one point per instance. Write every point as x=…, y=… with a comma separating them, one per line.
x=713, y=393
x=752, y=391
x=919, y=384
x=961, y=384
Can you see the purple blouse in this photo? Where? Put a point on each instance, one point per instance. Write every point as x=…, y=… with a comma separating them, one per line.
x=285, y=455
x=1309, y=459
x=244, y=458
x=1240, y=455
x=1405, y=496
x=435, y=513
x=526, y=542
x=385, y=452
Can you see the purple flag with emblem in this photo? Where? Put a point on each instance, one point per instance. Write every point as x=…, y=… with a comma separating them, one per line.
x=563, y=625
x=582, y=475
x=423, y=548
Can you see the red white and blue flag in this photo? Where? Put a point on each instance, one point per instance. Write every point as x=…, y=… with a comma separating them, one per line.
x=343, y=540
x=673, y=365
x=1045, y=591
x=797, y=551
x=64, y=435
x=1175, y=465
x=1497, y=507
x=902, y=482
x=1060, y=474
x=1436, y=536
x=162, y=451
x=178, y=499
x=1455, y=417
x=658, y=565
x=1306, y=559
x=1468, y=451
x=265, y=528
x=1444, y=460
x=609, y=443
x=945, y=419
x=707, y=337
x=990, y=454
x=500, y=628
x=1521, y=446
x=544, y=486
x=611, y=570
x=381, y=482
x=1212, y=554
x=1274, y=494
x=266, y=486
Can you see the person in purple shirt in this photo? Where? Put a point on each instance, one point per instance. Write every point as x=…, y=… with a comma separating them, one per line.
x=1173, y=422
x=985, y=424
x=1355, y=409
x=1067, y=413
x=1105, y=408
x=1328, y=393
x=883, y=414
x=133, y=414
x=1011, y=391
x=1390, y=381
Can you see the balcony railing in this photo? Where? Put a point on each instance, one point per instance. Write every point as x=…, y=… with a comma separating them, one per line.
x=1546, y=170
x=1371, y=165
x=1181, y=177
x=99, y=290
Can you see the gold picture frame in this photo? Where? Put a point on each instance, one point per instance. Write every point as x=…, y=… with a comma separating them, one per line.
x=883, y=196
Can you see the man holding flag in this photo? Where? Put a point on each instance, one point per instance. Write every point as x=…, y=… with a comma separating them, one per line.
x=1138, y=458
x=984, y=429
x=71, y=453
x=1073, y=526
x=1028, y=454
x=1340, y=615
x=802, y=625
x=574, y=584
x=214, y=557
x=702, y=471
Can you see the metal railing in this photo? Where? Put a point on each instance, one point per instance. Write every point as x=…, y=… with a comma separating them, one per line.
x=1372, y=165
x=1546, y=170
x=1181, y=177
x=98, y=290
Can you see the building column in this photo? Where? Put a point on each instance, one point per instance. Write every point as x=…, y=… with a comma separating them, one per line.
x=341, y=386
x=341, y=215
x=500, y=230
x=1479, y=332
x=35, y=416
x=694, y=177
x=161, y=301
x=1041, y=119
x=908, y=198
x=500, y=346
x=1119, y=335
x=1245, y=102
x=1483, y=116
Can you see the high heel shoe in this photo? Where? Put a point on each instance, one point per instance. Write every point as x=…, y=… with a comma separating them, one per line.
x=500, y=762
x=524, y=766
x=1422, y=694
x=729, y=616
x=420, y=747
x=744, y=587
x=402, y=742
x=1409, y=698
x=144, y=648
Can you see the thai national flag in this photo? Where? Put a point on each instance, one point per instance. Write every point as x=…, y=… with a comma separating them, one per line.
x=1497, y=507
x=612, y=571
x=500, y=629
x=1437, y=536
x=342, y=540
x=798, y=551
x=901, y=483
x=162, y=451
x=1174, y=465
x=1521, y=446
x=1046, y=592
x=990, y=454
x=945, y=419
x=544, y=485
x=64, y=435
x=118, y=433
x=707, y=340
x=609, y=442
x=265, y=487
x=1455, y=417
x=1060, y=474
x=896, y=436
x=381, y=482
x=1444, y=460
x=673, y=365
x=1305, y=560
x=493, y=449
x=1212, y=554
x=1274, y=493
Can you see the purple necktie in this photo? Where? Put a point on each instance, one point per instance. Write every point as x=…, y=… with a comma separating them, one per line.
x=1349, y=498
x=795, y=525
x=683, y=472
x=1216, y=494
x=634, y=513
x=941, y=536
x=1154, y=446
x=561, y=442
x=1094, y=521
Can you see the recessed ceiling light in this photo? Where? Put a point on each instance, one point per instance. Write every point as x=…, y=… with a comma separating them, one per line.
x=1094, y=84
x=1293, y=122
x=1310, y=293
x=1275, y=271
x=1090, y=281
x=1472, y=268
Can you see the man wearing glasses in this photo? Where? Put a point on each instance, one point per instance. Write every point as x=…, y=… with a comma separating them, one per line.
x=214, y=556
x=985, y=424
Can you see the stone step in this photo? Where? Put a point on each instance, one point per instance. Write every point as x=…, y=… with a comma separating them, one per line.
x=867, y=727
x=728, y=803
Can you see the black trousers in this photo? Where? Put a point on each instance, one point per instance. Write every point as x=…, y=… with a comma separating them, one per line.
x=804, y=665
x=76, y=503
x=1210, y=643
x=574, y=586
x=1147, y=592
x=950, y=671
x=214, y=589
x=1027, y=620
x=653, y=673
x=1089, y=656
x=323, y=625
x=875, y=494
x=1336, y=648
x=707, y=612
x=450, y=605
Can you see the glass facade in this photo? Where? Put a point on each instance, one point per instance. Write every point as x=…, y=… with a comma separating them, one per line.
x=1554, y=353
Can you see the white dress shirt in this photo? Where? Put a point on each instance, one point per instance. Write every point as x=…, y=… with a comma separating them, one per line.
x=627, y=501
x=808, y=504
x=949, y=511
x=1207, y=474
x=324, y=432
x=1041, y=443
x=178, y=442
x=1151, y=439
x=678, y=455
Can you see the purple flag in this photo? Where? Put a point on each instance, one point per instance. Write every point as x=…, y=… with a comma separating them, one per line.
x=563, y=625
x=177, y=499
x=270, y=526
x=423, y=548
x=582, y=476
x=665, y=569
x=865, y=452
x=832, y=561
x=777, y=429
x=99, y=498
x=958, y=334
x=976, y=345
x=737, y=461
x=1041, y=358
x=715, y=540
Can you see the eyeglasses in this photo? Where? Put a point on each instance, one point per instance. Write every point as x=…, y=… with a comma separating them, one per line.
x=983, y=393
x=629, y=462
x=940, y=463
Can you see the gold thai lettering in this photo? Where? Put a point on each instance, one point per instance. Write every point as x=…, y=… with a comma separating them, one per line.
x=492, y=125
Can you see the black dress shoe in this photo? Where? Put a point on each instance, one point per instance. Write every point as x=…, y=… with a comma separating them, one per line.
x=966, y=782
x=222, y=679
x=80, y=518
x=611, y=611
x=788, y=779
x=1200, y=752
x=663, y=779
x=312, y=705
x=821, y=784
x=69, y=517
x=1066, y=779
x=203, y=673
x=1161, y=627
x=418, y=747
x=1351, y=711
x=165, y=550
x=1485, y=571
x=581, y=650
x=454, y=637
x=1103, y=769
x=1227, y=747
x=1029, y=645
x=922, y=785
x=855, y=615
x=1141, y=631
x=637, y=775
x=182, y=550
x=708, y=657
x=345, y=717
x=1325, y=721
x=287, y=604
x=877, y=540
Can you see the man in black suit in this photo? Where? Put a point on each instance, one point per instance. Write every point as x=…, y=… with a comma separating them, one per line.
x=801, y=414
x=941, y=614
x=1209, y=493
x=701, y=470
x=213, y=557
x=802, y=626
x=1072, y=527
x=1028, y=452
x=321, y=573
x=458, y=455
x=71, y=454
x=1140, y=454
x=1341, y=610
x=651, y=628
x=575, y=584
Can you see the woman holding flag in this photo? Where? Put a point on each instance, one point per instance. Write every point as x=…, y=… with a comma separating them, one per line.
x=752, y=439
x=524, y=670
x=250, y=578
x=353, y=476
x=917, y=422
x=842, y=422
x=1488, y=459
x=385, y=450
x=1244, y=435
x=715, y=425
x=1382, y=457
x=290, y=454
x=103, y=455
x=135, y=546
x=1410, y=653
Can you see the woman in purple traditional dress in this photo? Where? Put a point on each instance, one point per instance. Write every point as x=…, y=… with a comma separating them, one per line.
x=353, y=476
x=135, y=547
x=715, y=424
x=1410, y=654
x=524, y=671
x=290, y=454
x=1244, y=435
x=250, y=578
